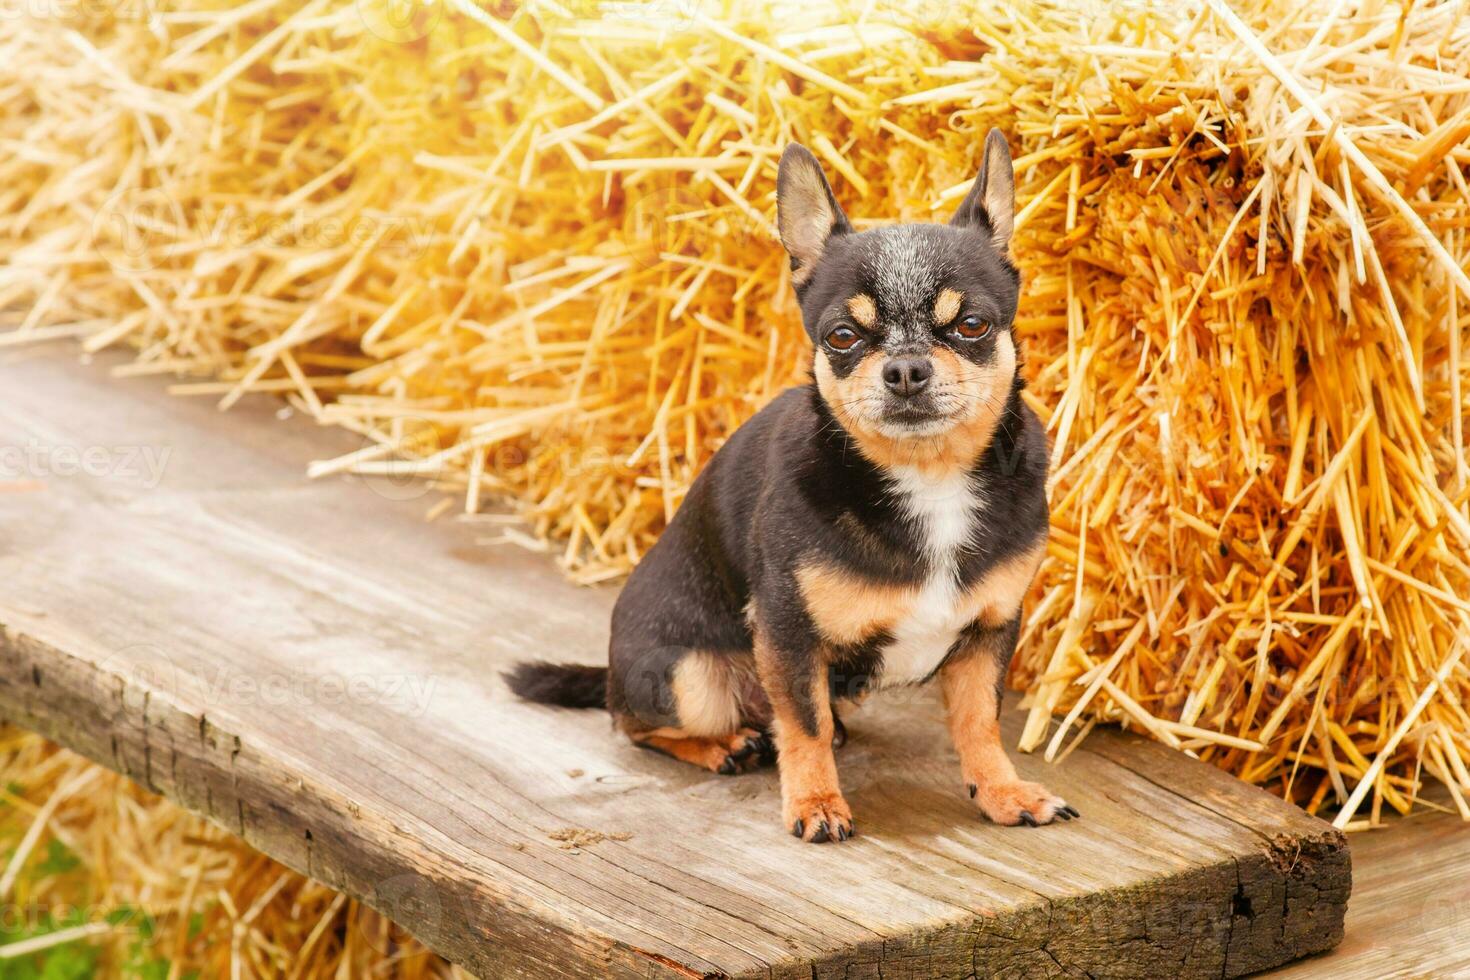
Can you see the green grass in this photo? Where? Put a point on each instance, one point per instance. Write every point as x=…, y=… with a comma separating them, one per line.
x=125, y=951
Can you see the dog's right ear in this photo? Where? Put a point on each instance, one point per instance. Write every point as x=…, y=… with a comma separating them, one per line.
x=991, y=203
x=806, y=211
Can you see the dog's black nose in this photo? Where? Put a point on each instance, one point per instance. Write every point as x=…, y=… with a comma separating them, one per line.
x=907, y=376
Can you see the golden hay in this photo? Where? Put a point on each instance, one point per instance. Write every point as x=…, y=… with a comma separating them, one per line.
x=112, y=881
x=528, y=250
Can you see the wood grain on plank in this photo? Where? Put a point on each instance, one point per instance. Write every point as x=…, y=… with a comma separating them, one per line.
x=314, y=667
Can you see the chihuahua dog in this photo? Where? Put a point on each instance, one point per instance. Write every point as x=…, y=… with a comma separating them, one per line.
x=876, y=527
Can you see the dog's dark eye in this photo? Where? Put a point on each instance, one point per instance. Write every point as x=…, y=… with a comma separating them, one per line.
x=843, y=338
x=972, y=328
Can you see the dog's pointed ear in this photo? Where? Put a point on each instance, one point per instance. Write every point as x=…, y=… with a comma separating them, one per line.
x=807, y=213
x=991, y=203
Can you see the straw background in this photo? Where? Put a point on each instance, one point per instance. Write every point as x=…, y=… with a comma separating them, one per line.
x=527, y=251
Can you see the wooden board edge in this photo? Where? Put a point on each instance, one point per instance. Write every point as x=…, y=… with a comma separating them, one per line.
x=1229, y=919
x=1292, y=900
x=294, y=818
x=1189, y=925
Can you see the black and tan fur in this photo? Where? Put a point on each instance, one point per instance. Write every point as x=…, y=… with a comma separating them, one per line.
x=877, y=526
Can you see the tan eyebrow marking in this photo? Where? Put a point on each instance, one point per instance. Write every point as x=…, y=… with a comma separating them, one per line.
x=947, y=305
x=863, y=309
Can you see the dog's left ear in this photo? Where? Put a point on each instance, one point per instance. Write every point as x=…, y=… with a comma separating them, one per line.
x=807, y=213
x=991, y=203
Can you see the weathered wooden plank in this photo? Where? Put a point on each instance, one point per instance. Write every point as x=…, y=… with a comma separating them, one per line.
x=1410, y=915
x=315, y=668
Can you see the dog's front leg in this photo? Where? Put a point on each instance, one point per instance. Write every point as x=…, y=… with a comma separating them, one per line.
x=795, y=682
x=971, y=680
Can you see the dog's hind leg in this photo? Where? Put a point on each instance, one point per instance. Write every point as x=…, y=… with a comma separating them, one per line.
x=728, y=755
x=694, y=706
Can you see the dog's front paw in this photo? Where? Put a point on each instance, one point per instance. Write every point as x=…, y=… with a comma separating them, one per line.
x=819, y=818
x=1016, y=802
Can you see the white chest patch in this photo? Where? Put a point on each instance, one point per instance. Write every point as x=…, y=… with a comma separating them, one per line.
x=944, y=511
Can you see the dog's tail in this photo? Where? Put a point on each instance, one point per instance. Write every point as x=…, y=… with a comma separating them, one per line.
x=564, y=685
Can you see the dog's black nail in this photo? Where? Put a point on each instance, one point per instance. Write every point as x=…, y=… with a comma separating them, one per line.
x=841, y=832
x=852, y=829
x=798, y=828
x=728, y=767
x=973, y=790
x=1028, y=819
x=1063, y=814
x=821, y=836
x=1071, y=811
